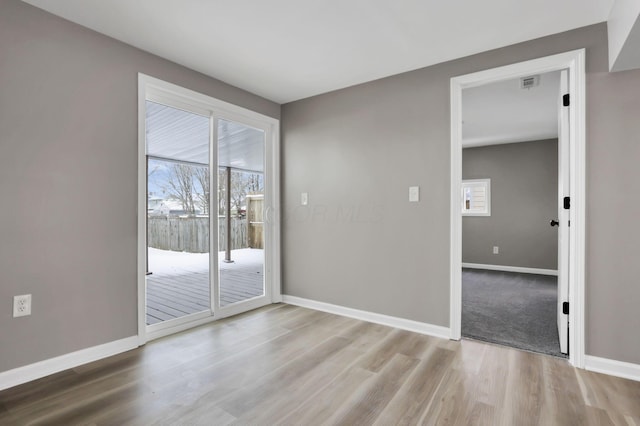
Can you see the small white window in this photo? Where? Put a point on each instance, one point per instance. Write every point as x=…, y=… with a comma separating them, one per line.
x=476, y=197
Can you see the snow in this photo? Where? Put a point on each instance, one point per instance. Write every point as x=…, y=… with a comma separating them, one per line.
x=167, y=262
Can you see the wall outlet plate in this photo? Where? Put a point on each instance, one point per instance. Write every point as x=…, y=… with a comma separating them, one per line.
x=22, y=305
x=496, y=250
x=414, y=194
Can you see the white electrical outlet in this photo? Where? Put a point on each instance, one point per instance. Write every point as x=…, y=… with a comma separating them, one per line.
x=496, y=250
x=304, y=199
x=22, y=305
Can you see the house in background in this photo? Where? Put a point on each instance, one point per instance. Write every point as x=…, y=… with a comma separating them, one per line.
x=68, y=136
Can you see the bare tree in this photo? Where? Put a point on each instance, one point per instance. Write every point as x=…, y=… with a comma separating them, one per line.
x=238, y=191
x=201, y=175
x=222, y=189
x=180, y=186
x=151, y=170
x=255, y=183
x=190, y=185
x=243, y=184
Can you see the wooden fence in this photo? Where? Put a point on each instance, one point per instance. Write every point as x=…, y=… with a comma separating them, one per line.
x=191, y=234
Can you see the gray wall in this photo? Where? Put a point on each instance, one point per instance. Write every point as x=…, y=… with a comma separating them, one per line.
x=524, y=198
x=68, y=180
x=357, y=150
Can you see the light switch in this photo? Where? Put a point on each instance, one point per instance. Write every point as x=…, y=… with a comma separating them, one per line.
x=304, y=199
x=414, y=194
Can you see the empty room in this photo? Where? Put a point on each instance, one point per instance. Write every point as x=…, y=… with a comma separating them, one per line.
x=266, y=213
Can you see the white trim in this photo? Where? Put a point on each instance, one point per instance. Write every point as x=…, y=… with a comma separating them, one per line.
x=612, y=367
x=272, y=214
x=214, y=263
x=401, y=323
x=455, y=232
x=41, y=369
x=505, y=268
x=196, y=101
x=577, y=214
x=142, y=207
x=574, y=62
x=150, y=88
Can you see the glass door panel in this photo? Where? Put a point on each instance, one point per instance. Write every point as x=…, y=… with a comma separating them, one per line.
x=241, y=237
x=178, y=276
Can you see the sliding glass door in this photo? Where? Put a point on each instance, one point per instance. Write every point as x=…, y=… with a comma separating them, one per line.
x=209, y=241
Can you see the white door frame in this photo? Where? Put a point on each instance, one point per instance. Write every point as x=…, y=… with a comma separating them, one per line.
x=574, y=62
x=180, y=97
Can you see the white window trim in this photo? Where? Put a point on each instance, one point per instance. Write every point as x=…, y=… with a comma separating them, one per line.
x=487, y=186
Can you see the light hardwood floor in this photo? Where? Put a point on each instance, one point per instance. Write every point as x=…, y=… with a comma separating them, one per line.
x=288, y=365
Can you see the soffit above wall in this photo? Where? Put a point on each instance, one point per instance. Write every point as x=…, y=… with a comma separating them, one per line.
x=624, y=35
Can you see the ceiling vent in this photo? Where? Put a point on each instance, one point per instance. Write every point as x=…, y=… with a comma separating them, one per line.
x=529, y=82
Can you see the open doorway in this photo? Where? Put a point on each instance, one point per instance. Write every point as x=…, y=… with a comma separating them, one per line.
x=570, y=322
x=510, y=194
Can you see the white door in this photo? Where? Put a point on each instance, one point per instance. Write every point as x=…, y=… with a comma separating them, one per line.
x=563, y=214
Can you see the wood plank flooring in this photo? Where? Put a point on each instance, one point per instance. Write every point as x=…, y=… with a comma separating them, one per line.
x=293, y=366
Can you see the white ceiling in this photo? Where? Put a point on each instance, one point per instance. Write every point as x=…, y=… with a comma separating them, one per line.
x=286, y=50
x=504, y=113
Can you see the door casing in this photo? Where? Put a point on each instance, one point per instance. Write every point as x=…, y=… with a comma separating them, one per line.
x=574, y=62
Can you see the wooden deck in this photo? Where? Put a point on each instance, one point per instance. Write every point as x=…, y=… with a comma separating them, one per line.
x=176, y=292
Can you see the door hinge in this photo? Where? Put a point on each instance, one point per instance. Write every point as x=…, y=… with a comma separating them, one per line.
x=565, y=308
x=566, y=100
x=566, y=202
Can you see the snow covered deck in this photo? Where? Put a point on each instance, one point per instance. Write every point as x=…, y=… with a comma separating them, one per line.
x=179, y=283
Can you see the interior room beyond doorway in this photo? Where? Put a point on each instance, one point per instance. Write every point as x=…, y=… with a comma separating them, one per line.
x=509, y=249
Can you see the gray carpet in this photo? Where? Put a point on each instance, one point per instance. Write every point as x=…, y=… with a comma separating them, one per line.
x=508, y=308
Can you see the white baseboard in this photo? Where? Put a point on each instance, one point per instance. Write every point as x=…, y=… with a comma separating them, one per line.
x=511, y=269
x=404, y=324
x=20, y=375
x=612, y=367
